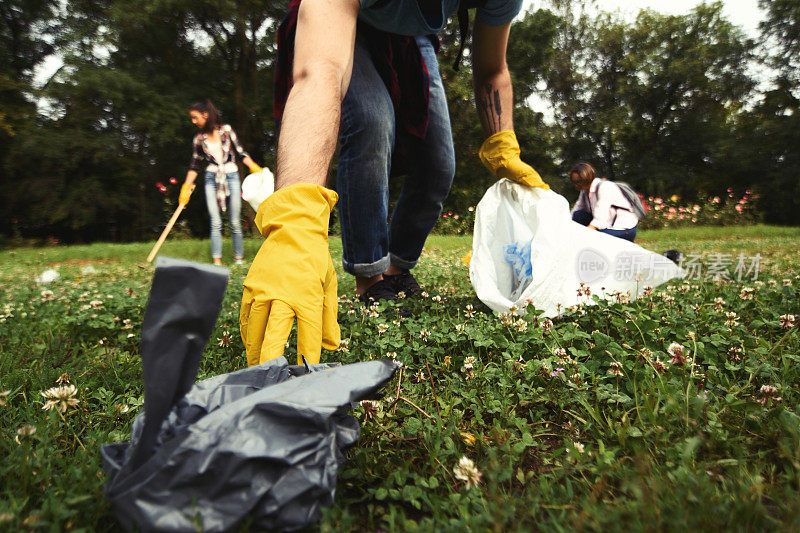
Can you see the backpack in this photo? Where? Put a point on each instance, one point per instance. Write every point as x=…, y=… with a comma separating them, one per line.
x=637, y=207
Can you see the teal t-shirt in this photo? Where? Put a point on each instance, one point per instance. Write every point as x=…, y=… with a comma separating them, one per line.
x=404, y=17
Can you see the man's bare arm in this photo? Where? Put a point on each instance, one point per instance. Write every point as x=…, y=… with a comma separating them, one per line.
x=492, y=82
x=323, y=62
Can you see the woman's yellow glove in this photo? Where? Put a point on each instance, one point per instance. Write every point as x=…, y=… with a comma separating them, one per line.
x=500, y=154
x=254, y=169
x=291, y=276
x=186, y=193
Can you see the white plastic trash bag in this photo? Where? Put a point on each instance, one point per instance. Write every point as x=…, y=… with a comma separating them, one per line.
x=527, y=249
x=257, y=187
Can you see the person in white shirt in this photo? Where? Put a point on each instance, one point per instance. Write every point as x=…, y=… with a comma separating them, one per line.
x=218, y=144
x=601, y=205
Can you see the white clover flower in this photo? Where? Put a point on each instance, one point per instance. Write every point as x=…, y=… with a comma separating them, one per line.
x=226, y=339
x=469, y=363
x=371, y=408
x=747, y=293
x=616, y=369
x=382, y=328
x=719, y=303
x=469, y=312
x=768, y=393
x=424, y=334
x=459, y=327
x=623, y=297
x=61, y=398
x=467, y=472
x=676, y=351
x=578, y=447
x=731, y=319
x=24, y=431
x=436, y=298
x=547, y=325
x=787, y=321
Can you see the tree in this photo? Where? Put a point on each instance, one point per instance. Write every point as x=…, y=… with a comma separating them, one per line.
x=26, y=32
x=773, y=130
x=120, y=123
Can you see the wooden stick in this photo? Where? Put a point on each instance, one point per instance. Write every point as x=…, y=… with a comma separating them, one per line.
x=166, y=231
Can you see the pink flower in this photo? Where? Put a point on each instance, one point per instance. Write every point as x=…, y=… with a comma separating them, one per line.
x=717, y=200
x=738, y=208
x=161, y=187
x=173, y=181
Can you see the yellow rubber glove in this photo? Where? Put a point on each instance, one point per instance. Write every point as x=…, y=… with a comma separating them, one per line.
x=500, y=154
x=186, y=193
x=291, y=276
x=254, y=168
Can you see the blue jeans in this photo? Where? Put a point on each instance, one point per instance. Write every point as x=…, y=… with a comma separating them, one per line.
x=367, y=137
x=584, y=218
x=234, y=211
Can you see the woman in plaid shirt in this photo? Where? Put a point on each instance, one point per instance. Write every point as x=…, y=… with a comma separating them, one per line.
x=217, y=143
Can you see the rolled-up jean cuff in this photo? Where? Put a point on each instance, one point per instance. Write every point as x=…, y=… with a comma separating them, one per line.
x=367, y=270
x=399, y=262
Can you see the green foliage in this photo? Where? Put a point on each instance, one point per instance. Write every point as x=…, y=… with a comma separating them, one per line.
x=591, y=422
x=665, y=102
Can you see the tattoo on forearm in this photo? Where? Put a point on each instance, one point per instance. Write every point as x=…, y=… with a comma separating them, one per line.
x=491, y=107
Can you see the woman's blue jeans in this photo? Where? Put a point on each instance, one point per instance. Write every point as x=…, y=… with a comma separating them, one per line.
x=367, y=137
x=584, y=218
x=234, y=211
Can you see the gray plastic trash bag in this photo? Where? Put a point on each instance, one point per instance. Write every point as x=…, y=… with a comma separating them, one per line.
x=263, y=443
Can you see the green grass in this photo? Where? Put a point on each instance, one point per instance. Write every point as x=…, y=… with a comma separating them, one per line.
x=697, y=445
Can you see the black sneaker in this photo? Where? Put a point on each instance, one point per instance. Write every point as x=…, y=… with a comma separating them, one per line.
x=381, y=290
x=675, y=256
x=404, y=282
